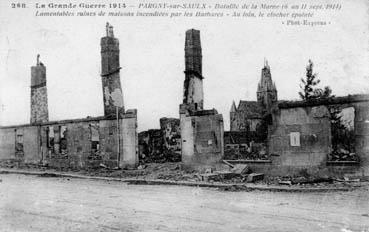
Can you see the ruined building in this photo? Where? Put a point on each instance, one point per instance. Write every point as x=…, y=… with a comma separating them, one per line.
x=39, y=108
x=76, y=143
x=249, y=115
x=110, y=74
x=301, y=136
x=201, y=130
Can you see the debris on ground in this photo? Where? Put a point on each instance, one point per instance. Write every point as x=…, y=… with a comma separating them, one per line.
x=343, y=155
x=285, y=182
x=228, y=163
x=251, y=151
x=209, y=170
x=253, y=177
x=141, y=166
x=103, y=166
x=302, y=180
x=241, y=169
x=176, y=171
x=208, y=177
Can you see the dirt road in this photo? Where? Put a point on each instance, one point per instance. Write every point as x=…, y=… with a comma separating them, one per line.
x=29, y=203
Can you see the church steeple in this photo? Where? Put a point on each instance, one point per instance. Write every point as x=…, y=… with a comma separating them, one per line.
x=233, y=107
x=233, y=117
x=267, y=92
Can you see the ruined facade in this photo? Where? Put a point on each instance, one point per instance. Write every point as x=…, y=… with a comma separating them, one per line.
x=39, y=107
x=110, y=74
x=78, y=143
x=202, y=130
x=250, y=116
x=301, y=136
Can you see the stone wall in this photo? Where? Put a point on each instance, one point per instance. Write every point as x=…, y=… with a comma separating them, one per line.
x=362, y=136
x=31, y=144
x=202, y=139
x=110, y=76
x=39, y=107
x=7, y=143
x=78, y=144
x=193, y=92
x=129, y=152
x=300, y=137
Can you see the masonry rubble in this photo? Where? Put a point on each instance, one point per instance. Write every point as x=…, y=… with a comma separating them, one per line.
x=161, y=145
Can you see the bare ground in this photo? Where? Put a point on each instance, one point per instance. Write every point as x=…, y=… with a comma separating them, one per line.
x=29, y=203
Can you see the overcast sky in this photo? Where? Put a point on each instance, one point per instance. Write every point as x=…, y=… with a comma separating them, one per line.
x=152, y=60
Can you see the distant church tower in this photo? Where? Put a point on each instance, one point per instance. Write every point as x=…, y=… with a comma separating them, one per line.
x=267, y=92
x=110, y=76
x=39, y=108
x=193, y=88
x=233, y=117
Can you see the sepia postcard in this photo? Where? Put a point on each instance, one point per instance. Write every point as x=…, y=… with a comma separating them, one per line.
x=206, y=115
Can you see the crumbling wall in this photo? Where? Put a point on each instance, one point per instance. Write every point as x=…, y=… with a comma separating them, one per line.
x=240, y=145
x=21, y=144
x=44, y=143
x=362, y=136
x=171, y=131
x=193, y=88
x=39, y=106
x=110, y=76
x=80, y=143
x=31, y=144
x=112, y=92
x=7, y=143
x=194, y=91
x=109, y=142
x=202, y=139
x=129, y=155
x=300, y=137
x=188, y=138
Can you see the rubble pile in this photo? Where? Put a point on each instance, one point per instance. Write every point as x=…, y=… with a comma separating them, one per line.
x=161, y=157
x=156, y=146
x=343, y=155
x=252, y=152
